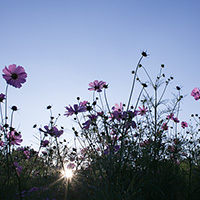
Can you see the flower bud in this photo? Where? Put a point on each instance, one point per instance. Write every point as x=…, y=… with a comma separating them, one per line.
x=14, y=108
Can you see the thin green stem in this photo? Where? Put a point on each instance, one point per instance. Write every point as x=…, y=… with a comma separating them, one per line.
x=101, y=101
x=148, y=76
x=106, y=100
x=133, y=84
x=6, y=104
x=11, y=120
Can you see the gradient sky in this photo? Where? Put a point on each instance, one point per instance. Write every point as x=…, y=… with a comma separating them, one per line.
x=65, y=44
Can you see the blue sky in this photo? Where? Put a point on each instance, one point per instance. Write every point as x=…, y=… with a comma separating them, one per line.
x=64, y=45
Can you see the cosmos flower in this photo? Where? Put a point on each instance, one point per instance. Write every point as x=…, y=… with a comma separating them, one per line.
x=164, y=126
x=44, y=143
x=142, y=111
x=117, y=111
x=175, y=119
x=14, y=138
x=92, y=118
x=196, y=93
x=27, y=153
x=75, y=109
x=2, y=97
x=96, y=85
x=14, y=75
x=129, y=124
x=116, y=115
x=184, y=124
x=53, y=131
x=170, y=116
x=118, y=107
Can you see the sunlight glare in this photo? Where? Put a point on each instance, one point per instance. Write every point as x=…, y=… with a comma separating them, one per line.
x=67, y=173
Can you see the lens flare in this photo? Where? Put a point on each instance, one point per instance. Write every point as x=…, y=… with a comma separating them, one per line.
x=67, y=173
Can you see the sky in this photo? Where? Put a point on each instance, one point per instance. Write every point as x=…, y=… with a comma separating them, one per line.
x=65, y=44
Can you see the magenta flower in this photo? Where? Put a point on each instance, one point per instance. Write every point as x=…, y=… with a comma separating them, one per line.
x=184, y=124
x=27, y=153
x=170, y=116
x=118, y=107
x=14, y=138
x=116, y=115
x=175, y=119
x=164, y=126
x=76, y=109
x=53, y=131
x=96, y=85
x=129, y=114
x=92, y=119
x=2, y=97
x=14, y=75
x=196, y=93
x=142, y=111
x=129, y=124
x=44, y=143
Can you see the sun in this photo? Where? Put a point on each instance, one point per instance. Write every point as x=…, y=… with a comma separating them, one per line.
x=67, y=173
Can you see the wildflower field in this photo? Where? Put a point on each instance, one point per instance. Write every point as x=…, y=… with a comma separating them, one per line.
x=127, y=151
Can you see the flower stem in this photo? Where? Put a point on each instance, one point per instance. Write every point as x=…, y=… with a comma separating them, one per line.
x=133, y=84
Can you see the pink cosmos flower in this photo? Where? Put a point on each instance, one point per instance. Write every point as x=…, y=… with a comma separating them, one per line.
x=184, y=124
x=14, y=138
x=170, y=116
x=196, y=93
x=75, y=109
x=27, y=153
x=118, y=107
x=142, y=111
x=96, y=85
x=14, y=75
x=164, y=126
